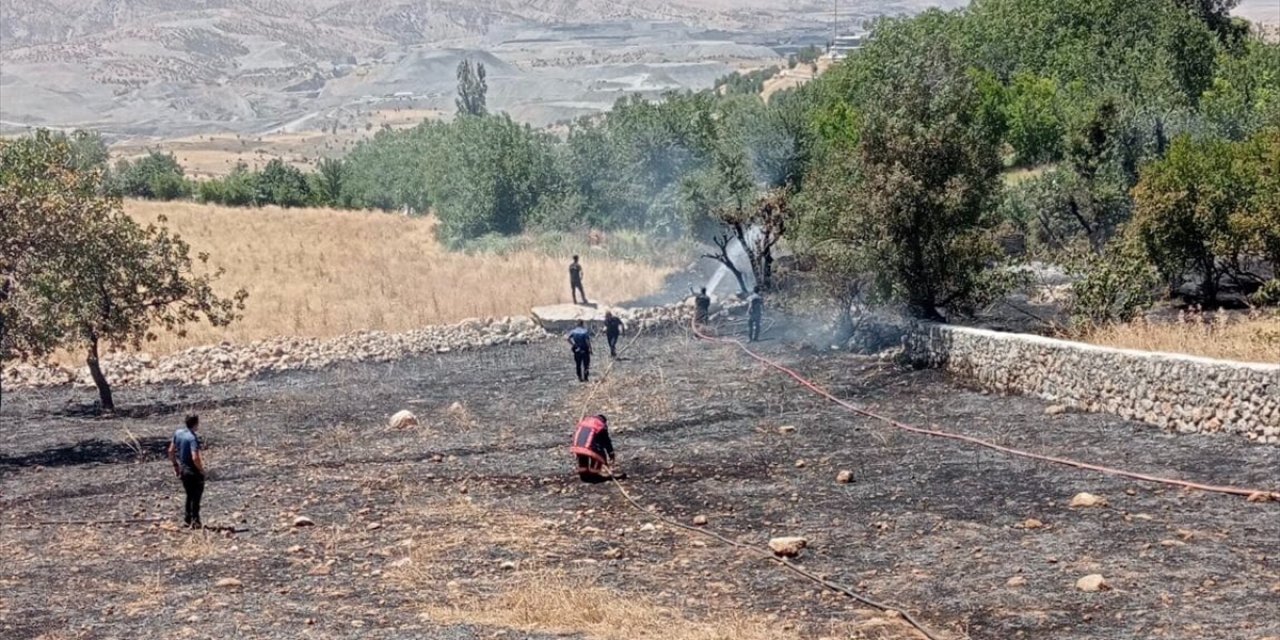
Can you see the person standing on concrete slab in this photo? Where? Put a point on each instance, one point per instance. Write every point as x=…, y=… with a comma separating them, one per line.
x=580, y=343
x=184, y=454
x=755, y=312
x=613, y=328
x=575, y=281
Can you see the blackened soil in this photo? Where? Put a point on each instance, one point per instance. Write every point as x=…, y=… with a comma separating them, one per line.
x=930, y=525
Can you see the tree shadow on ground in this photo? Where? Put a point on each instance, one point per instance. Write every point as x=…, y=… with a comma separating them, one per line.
x=86, y=452
x=156, y=409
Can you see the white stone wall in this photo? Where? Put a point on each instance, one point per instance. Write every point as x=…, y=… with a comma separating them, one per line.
x=1176, y=392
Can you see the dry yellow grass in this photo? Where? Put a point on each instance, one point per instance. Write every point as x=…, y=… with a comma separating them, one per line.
x=1250, y=338
x=554, y=602
x=210, y=155
x=322, y=273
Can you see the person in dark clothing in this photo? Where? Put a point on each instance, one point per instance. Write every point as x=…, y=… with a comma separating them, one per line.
x=575, y=281
x=701, y=306
x=580, y=343
x=593, y=449
x=755, y=310
x=184, y=453
x=612, y=329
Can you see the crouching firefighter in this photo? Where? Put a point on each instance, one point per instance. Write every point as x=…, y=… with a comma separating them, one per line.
x=594, y=450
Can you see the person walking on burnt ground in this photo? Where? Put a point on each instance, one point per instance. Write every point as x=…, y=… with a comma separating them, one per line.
x=755, y=312
x=580, y=344
x=701, y=306
x=613, y=327
x=575, y=281
x=184, y=453
x=593, y=449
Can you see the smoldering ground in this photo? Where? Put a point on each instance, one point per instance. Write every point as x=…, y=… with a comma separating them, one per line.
x=473, y=525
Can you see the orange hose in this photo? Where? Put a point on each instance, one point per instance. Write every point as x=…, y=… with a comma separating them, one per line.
x=1252, y=494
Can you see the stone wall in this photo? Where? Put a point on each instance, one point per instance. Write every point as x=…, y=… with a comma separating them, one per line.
x=1178, y=393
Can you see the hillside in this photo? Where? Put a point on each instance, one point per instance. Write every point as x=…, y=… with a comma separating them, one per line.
x=177, y=67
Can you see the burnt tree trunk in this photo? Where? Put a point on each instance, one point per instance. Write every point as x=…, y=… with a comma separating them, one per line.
x=99, y=380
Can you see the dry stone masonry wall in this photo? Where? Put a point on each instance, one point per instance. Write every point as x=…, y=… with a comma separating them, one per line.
x=229, y=362
x=1179, y=393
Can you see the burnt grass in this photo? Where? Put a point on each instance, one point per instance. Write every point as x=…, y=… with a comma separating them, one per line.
x=932, y=526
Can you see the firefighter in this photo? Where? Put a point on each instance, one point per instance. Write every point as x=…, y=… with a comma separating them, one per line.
x=755, y=310
x=580, y=343
x=575, y=281
x=594, y=450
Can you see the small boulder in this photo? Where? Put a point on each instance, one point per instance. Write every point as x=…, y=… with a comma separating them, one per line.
x=786, y=429
x=1055, y=409
x=1032, y=523
x=787, y=546
x=227, y=583
x=507, y=565
x=1092, y=582
x=303, y=521
x=1016, y=581
x=403, y=420
x=1088, y=500
x=844, y=477
x=700, y=520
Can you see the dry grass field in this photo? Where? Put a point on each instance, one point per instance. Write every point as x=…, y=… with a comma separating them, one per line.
x=322, y=273
x=1254, y=337
x=213, y=155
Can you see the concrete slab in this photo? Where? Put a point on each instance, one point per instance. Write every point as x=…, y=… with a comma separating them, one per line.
x=561, y=318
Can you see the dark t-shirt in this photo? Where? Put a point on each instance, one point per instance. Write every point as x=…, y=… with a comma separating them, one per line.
x=575, y=273
x=613, y=326
x=755, y=304
x=187, y=444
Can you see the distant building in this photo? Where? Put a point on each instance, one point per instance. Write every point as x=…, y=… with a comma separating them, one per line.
x=843, y=45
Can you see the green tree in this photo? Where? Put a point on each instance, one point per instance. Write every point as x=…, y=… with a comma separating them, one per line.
x=331, y=176
x=155, y=176
x=43, y=195
x=283, y=185
x=929, y=164
x=471, y=88
x=1184, y=205
x=77, y=272
x=1033, y=123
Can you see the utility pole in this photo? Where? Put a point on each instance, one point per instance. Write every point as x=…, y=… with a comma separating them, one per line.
x=835, y=22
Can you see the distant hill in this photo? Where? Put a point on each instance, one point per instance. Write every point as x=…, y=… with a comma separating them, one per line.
x=165, y=67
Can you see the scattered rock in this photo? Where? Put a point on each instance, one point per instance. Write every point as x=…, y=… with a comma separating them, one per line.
x=800, y=464
x=1092, y=582
x=374, y=526
x=1016, y=581
x=402, y=562
x=227, y=583
x=297, y=548
x=1088, y=500
x=507, y=565
x=320, y=570
x=844, y=477
x=303, y=521
x=648, y=527
x=1032, y=523
x=1055, y=409
x=404, y=419
x=788, y=546
x=700, y=520
x=787, y=429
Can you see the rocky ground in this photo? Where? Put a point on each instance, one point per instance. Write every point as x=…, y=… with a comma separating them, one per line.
x=471, y=525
